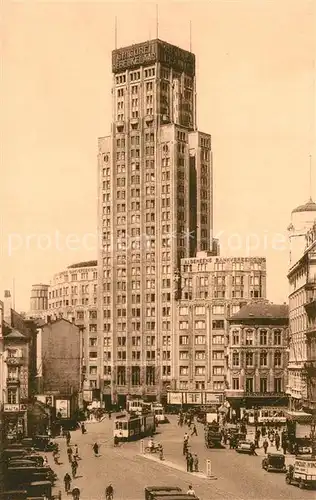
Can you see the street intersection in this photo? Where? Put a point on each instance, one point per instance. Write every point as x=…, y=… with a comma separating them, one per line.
x=239, y=477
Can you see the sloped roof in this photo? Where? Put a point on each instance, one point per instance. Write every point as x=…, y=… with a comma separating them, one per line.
x=310, y=206
x=13, y=334
x=259, y=310
x=88, y=263
x=54, y=321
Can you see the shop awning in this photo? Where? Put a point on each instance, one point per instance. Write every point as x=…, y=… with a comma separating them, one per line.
x=299, y=416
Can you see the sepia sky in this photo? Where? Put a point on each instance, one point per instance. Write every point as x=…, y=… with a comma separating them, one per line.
x=256, y=96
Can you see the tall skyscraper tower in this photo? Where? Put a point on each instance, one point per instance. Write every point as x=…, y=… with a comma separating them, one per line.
x=155, y=207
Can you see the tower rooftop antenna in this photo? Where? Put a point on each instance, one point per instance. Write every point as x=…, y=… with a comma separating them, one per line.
x=310, y=179
x=190, y=36
x=115, y=33
x=157, y=21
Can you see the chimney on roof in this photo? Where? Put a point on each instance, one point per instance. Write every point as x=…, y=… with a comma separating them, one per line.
x=7, y=307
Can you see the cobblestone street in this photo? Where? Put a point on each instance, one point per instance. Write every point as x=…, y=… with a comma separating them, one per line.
x=238, y=476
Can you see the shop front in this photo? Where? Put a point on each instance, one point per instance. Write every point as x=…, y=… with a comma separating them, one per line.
x=14, y=422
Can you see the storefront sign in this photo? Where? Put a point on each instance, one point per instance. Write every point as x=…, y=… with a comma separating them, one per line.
x=62, y=408
x=194, y=398
x=11, y=408
x=211, y=398
x=174, y=398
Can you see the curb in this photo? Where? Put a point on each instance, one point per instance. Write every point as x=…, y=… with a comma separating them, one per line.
x=172, y=465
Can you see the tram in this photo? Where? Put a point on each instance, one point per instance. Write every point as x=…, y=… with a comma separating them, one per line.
x=128, y=427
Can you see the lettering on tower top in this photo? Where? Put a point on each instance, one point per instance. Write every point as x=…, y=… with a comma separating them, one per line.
x=151, y=52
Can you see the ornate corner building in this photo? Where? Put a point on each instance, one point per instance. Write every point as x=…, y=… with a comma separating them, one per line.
x=302, y=303
x=257, y=356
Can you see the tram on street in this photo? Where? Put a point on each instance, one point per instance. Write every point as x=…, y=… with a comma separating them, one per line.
x=135, y=406
x=266, y=416
x=159, y=413
x=128, y=427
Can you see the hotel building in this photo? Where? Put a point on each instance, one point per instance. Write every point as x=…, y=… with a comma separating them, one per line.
x=155, y=208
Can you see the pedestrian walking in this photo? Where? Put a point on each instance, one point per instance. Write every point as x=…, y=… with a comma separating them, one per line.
x=56, y=457
x=76, y=453
x=188, y=461
x=74, y=468
x=277, y=441
x=109, y=492
x=69, y=453
x=61, y=432
x=83, y=429
x=67, y=483
x=284, y=446
x=191, y=462
x=194, y=431
x=253, y=449
x=265, y=445
x=196, y=463
x=96, y=449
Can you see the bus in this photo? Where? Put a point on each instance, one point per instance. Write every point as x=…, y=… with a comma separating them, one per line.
x=128, y=428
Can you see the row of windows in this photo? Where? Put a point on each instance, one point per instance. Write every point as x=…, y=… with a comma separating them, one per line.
x=201, y=370
x=73, y=290
x=248, y=338
x=263, y=359
x=263, y=385
x=201, y=324
x=201, y=339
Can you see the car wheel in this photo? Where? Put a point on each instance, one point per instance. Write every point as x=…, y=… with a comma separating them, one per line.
x=288, y=480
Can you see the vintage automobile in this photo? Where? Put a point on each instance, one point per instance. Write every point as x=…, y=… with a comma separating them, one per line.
x=21, y=476
x=42, y=489
x=9, y=453
x=44, y=443
x=13, y=495
x=302, y=473
x=150, y=491
x=245, y=447
x=23, y=462
x=174, y=496
x=274, y=462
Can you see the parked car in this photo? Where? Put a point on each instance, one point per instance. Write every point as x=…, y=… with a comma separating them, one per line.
x=245, y=447
x=150, y=491
x=274, y=462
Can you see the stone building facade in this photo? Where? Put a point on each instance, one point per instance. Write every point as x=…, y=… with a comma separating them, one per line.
x=257, y=356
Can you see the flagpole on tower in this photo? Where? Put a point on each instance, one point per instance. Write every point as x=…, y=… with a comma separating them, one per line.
x=190, y=36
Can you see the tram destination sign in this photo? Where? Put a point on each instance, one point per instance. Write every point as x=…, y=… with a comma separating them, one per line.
x=150, y=52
